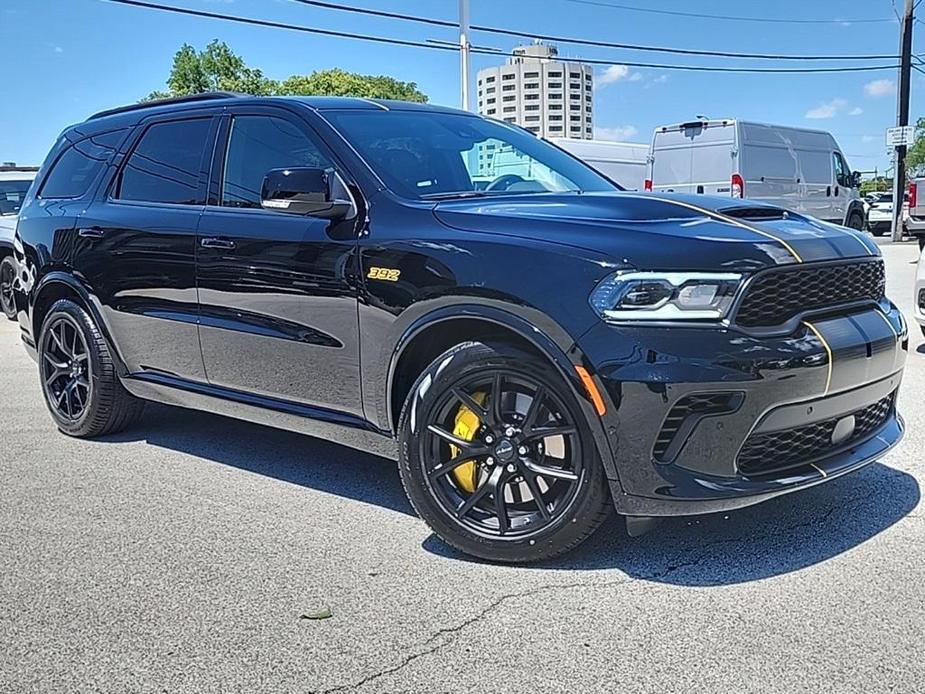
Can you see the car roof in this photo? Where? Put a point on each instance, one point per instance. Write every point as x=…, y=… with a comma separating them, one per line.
x=18, y=174
x=123, y=116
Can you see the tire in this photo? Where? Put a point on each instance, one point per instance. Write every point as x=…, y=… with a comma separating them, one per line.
x=515, y=451
x=877, y=231
x=7, y=279
x=78, y=376
x=855, y=221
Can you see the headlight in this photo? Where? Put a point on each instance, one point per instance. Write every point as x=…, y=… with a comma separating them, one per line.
x=665, y=296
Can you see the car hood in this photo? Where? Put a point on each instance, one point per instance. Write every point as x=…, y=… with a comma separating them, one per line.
x=661, y=231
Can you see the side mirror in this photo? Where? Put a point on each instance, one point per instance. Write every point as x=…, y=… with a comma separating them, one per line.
x=856, y=179
x=305, y=191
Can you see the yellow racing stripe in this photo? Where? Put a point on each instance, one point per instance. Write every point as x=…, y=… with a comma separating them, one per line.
x=828, y=350
x=718, y=216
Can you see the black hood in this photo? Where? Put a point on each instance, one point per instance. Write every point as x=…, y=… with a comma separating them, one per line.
x=662, y=231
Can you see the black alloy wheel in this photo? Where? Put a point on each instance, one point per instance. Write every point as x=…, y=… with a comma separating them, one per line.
x=7, y=282
x=520, y=486
x=78, y=374
x=496, y=456
x=66, y=371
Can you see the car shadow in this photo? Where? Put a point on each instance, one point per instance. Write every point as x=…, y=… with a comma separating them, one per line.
x=780, y=536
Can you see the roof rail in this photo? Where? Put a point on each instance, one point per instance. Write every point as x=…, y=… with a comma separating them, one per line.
x=188, y=99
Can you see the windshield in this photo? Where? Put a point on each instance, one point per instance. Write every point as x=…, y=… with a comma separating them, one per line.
x=12, y=194
x=429, y=155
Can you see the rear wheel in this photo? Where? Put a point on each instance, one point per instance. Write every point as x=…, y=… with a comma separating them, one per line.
x=7, y=278
x=78, y=376
x=496, y=458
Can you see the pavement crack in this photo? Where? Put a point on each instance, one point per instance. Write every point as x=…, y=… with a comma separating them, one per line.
x=444, y=637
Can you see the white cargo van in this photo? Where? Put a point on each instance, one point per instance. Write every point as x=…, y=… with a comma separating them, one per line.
x=802, y=170
x=623, y=162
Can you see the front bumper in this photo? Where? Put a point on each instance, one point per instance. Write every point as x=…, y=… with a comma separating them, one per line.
x=792, y=390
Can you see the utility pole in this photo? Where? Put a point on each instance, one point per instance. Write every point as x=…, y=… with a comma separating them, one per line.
x=902, y=119
x=464, y=47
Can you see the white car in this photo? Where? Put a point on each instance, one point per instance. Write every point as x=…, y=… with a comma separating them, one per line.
x=14, y=184
x=880, y=214
x=919, y=299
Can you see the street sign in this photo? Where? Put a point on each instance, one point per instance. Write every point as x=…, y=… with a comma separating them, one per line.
x=897, y=137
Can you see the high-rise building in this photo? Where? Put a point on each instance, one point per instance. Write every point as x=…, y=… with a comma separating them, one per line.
x=536, y=90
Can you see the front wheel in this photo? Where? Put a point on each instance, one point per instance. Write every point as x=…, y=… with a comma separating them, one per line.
x=496, y=457
x=855, y=221
x=7, y=280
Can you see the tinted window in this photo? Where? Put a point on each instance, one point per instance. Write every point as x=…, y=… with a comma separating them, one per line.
x=164, y=167
x=77, y=167
x=257, y=144
x=12, y=194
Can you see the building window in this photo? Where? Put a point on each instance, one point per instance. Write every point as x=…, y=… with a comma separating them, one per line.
x=532, y=85
x=509, y=119
x=509, y=109
x=532, y=119
x=575, y=128
x=489, y=80
x=588, y=77
x=490, y=100
x=575, y=85
x=531, y=97
x=574, y=107
x=508, y=87
x=555, y=74
x=490, y=112
x=531, y=75
x=534, y=129
x=555, y=107
x=555, y=96
x=555, y=128
x=512, y=97
x=555, y=85
x=554, y=117
x=532, y=107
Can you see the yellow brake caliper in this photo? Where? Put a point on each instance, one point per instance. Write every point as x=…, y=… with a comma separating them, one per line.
x=466, y=426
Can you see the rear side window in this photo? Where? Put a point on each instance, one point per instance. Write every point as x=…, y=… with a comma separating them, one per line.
x=164, y=166
x=78, y=166
x=256, y=145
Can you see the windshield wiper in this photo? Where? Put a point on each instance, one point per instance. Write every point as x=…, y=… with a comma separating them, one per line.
x=457, y=194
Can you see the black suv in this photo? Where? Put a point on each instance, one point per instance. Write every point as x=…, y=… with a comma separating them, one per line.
x=533, y=345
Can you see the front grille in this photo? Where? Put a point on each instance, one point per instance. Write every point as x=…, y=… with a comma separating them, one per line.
x=779, y=450
x=697, y=405
x=775, y=297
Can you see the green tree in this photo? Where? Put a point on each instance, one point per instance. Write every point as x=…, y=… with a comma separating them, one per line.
x=337, y=82
x=915, y=156
x=876, y=185
x=217, y=68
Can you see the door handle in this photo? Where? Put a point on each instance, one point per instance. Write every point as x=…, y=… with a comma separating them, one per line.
x=90, y=233
x=836, y=191
x=224, y=244
x=828, y=191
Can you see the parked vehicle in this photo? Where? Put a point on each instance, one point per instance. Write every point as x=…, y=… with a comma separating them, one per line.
x=623, y=162
x=799, y=169
x=880, y=214
x=14, y=183
x=920, y=292
x=533, y=354
x=914, y=218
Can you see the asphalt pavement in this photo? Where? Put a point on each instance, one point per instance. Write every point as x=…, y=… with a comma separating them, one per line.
x=181, y=556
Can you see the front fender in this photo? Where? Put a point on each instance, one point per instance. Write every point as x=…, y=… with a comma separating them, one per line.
x=530, y=324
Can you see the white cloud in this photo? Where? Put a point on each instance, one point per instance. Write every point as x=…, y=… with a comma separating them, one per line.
x=615, y=73
x=620, y=132
x=827, y=110
x=58, y=49
x=877, y=88
x=856, y=111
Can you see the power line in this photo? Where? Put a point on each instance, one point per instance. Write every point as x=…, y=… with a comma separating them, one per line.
x=729, y=18
x=481, y=51
x=583, y=42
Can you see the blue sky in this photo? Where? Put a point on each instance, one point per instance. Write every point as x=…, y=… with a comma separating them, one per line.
x=73, y=57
